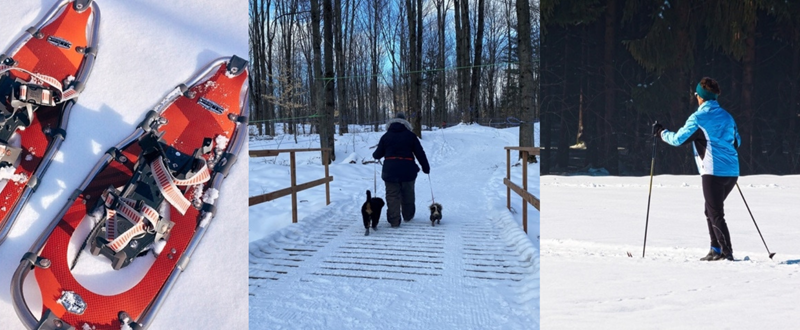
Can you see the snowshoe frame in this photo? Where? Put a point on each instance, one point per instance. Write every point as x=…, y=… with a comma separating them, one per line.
x=32, y=260
x=83, y=73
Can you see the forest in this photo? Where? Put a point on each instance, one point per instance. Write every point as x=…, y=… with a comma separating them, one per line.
x=323, y=65
x=611, y=68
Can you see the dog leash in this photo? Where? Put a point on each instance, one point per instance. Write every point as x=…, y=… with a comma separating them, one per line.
x=375, y=178
x=430, y=184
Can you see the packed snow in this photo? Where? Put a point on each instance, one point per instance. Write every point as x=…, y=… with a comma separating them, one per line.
x=146, y=49
x=476, y=270
x=592, y=223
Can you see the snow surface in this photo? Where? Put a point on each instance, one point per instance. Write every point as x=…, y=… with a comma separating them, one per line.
x=146, y=48
x=477, y=270
x=588, y=281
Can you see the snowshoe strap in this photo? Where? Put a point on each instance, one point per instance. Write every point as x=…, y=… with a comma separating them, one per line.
x=122, y=241
x=111, y=224
x=168, y=184
x=40, y=79
x=126, y=207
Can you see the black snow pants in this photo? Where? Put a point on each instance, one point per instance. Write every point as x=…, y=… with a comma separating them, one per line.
x=399, y=195
x=715, y=190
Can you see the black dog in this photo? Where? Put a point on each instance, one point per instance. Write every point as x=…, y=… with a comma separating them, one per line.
x=371, y=212
x=436, y=213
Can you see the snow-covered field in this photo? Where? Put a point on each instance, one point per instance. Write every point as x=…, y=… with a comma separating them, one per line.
x=146, y=48
x=588, y=281
x=476, y=270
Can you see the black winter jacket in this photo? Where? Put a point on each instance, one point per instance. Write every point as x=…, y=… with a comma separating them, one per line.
x=399, y=145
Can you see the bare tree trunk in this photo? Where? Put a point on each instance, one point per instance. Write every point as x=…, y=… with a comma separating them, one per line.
x=270, y=106
x=289, y=14
x=256, y=30
x=441, y=99
x=748, y=63
x=581, y=101
x=526, y=78
x=794, y=100
x=491, y=74
x=414, y=111
x=676, y=158
x=327, y=139
x=339, y=34
x=476, y=70
x=373, y=104
x=324, y=129
x=418, y=80
x=609, y=143
x=562, y=155
x=462, y=58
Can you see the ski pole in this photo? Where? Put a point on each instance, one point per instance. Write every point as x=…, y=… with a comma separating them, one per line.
x=771, y=254
x=650, y=193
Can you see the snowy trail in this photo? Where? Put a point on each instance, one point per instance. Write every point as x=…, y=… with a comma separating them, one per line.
x=588, y=278
x=477, y=270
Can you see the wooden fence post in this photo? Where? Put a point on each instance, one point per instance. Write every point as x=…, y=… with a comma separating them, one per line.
x=524, y=153
x=327, y=184
x=508, y=176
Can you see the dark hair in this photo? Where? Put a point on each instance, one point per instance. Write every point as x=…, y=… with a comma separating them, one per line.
x=710, y=85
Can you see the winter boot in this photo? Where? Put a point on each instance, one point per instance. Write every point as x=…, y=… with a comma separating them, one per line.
x=712, y=255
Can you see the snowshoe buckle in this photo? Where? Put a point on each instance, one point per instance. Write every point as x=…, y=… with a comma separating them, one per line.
x=236, y=65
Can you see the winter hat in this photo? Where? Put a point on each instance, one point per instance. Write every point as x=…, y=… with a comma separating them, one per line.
x=704, y=94
x=400, y=115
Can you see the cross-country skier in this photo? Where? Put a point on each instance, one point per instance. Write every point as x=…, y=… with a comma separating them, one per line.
x=400, y=146
x=715, y=139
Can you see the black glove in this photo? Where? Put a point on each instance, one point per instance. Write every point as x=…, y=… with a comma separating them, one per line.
x=657, y=128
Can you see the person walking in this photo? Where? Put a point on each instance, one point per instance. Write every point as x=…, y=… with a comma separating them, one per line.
x=399, y=146
x=715, y=140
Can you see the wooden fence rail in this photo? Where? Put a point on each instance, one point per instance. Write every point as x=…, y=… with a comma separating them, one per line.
x=294, y=188
x=523, y=191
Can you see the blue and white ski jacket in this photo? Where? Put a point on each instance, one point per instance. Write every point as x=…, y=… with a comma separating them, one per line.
x=715, y=137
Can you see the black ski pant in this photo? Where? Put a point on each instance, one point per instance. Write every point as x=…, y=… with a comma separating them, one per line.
x=715, y=190
x=399, y=195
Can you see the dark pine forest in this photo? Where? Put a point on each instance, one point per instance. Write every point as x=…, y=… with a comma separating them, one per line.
x=611, y=68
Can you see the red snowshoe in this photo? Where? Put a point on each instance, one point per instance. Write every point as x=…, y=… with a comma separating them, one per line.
x=41, y=76
x=142, y=210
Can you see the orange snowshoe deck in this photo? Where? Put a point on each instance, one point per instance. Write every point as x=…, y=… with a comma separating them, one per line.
x=58, y=50
x=189, y=120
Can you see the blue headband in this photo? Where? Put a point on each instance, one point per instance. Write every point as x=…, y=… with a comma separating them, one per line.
x=704, y=94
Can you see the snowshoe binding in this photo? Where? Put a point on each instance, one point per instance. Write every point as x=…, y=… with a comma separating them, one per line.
x=144, y=207
x=41, y=76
